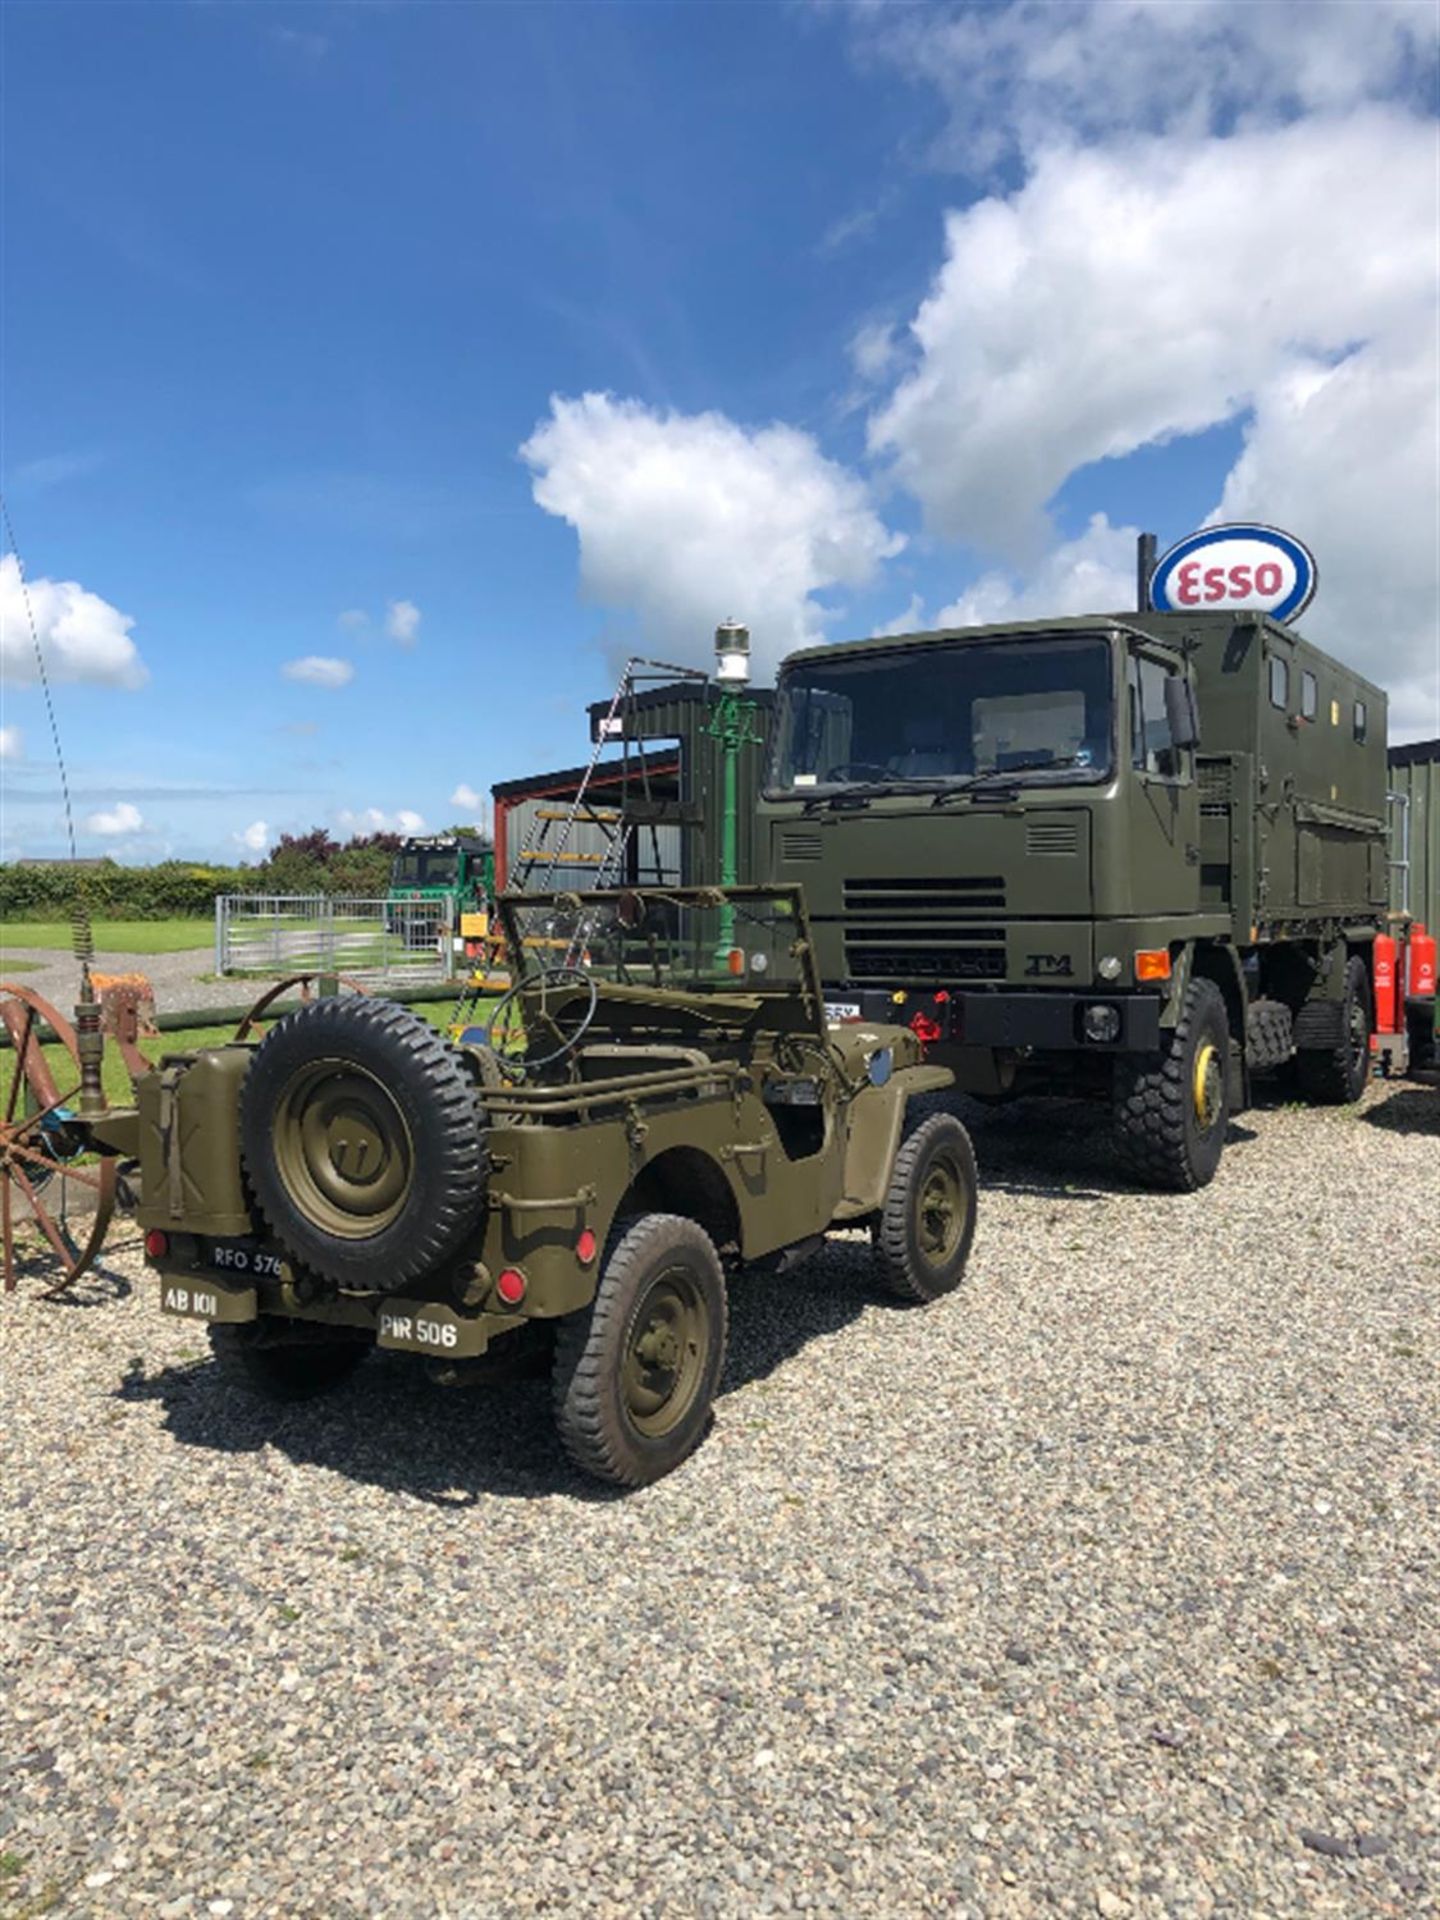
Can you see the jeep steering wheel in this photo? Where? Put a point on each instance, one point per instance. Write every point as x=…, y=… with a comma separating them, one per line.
x=541, y=982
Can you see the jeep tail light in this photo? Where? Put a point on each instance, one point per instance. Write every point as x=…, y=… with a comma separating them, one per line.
x=511, y=1286
x=157, y=1244
x=585, y=1248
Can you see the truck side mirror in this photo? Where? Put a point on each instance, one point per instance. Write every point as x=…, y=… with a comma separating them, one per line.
x=1180, y=713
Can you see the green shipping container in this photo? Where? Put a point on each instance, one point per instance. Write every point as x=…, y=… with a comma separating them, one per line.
x=1414, y=778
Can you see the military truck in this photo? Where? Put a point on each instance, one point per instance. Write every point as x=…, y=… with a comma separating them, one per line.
x=662, y=1104
x=1140, y=856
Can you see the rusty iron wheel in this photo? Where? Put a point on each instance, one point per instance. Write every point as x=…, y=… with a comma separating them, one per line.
x=305, y=982
x=44, y=1195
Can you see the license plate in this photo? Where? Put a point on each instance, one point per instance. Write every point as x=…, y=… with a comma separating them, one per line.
x=836, y=1010
x=240, y=1256
x=207, y=1300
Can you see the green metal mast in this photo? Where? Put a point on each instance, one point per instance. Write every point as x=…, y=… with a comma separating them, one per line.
x=732, y=726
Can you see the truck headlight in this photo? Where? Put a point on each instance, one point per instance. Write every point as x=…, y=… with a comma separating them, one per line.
x=1109, y=968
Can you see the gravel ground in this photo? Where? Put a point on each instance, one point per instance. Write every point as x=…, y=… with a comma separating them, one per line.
x=1107, y=1586
x=174, y=976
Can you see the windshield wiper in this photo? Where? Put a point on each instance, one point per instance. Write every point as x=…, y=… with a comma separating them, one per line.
x=860, y=793
x=1001, y=777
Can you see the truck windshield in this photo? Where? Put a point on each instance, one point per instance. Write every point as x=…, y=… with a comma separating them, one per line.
x=939, y=715
x=425, y=870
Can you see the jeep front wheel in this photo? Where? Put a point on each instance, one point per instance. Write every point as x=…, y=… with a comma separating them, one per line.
x=923, y=1235
x=636, y=1371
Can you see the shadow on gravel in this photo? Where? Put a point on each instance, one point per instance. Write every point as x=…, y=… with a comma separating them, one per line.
x=1053, y=1149
x=392, y=1427
x=1409, y=1110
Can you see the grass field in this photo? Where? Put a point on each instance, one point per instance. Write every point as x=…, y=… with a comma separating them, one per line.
x=117, y=1080
x=111, y=936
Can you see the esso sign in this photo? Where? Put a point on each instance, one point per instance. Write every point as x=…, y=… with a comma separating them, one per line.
x=1236, y=566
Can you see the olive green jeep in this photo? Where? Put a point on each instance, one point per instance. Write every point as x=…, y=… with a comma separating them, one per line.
x=659, y=1098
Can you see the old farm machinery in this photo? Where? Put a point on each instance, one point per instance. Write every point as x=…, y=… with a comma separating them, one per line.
x=57, y=1195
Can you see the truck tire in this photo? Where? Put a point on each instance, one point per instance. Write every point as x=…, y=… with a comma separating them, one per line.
x=1269, y=1035
x=249, y=1358
x=923, y=1235
x=362, y=1138
x=636, y=1371
x=1172, y=1108
x=1332, y=1042
x=1420, y=1029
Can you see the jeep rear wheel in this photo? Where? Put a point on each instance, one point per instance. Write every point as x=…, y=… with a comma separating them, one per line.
x=923, y=1235
x=636, y=1371
x=250, y=1356
x=362, y=1138
x=1172, y=1109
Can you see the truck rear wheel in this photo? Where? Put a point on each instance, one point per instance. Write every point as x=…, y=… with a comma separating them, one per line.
x=1172, y=1108
x=1332, y=1041
x=250, y=1357
x=636, y=1371
x=923, y=1235
x=363, y=1141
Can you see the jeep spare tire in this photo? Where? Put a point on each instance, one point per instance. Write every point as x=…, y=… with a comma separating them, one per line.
x=363, y=1142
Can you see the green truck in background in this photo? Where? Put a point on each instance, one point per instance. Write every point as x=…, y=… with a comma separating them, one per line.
x=1140, y=856
x=437, y=879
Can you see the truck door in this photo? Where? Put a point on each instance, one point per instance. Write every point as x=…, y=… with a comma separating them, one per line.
x=1163, y=808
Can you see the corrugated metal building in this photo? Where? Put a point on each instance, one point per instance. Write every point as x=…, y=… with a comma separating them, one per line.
x=663, y=773
x=1415, y=831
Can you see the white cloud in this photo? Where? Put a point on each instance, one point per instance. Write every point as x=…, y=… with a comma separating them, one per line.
x=121, y=818
x=319, y=670
x=255, y=838
x=1092, y=574
x=402, y=622
x=83, y=637
x=467, y=799
x=1120, y=298
x=1010, y=76
x=685, y=519
x=353, y=620
x=1349, y=456
x=12, y=744
x=376, y=820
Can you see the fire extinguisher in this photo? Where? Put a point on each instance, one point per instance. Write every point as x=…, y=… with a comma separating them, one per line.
x=1385, y=998
x=1420, y=981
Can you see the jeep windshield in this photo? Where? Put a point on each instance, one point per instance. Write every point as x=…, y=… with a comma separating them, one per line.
x=692, y=941
x=945, y=715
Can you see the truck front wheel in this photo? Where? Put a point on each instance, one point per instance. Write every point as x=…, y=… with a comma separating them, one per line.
x=636, y=1371
x=1172, y=1108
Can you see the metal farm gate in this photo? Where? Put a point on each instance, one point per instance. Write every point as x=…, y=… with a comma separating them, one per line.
x=381, y=942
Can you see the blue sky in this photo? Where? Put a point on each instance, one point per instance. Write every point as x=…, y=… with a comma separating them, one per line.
x=883, y=318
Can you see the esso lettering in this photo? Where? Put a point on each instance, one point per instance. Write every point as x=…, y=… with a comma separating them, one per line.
x=1194, y=584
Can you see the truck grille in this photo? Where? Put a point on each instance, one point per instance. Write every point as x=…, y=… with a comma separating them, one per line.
x=900, y=930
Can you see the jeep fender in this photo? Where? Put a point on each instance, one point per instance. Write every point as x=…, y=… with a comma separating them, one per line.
x=875, y=1122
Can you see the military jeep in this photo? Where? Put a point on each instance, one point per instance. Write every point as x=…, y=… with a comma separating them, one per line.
x=657, y=1100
